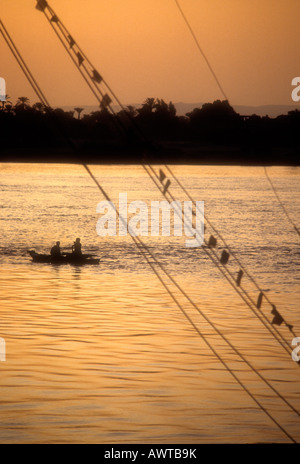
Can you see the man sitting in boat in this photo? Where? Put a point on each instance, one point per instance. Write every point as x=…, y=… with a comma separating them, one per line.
x=76, y=248
x=55, y=251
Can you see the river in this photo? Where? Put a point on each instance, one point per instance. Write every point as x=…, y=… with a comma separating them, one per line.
x=102, y=353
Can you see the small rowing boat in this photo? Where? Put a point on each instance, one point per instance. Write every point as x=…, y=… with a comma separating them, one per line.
x=66, y=258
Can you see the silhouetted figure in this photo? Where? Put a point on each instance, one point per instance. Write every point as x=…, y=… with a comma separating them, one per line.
x=55, y=251
x=76, y=248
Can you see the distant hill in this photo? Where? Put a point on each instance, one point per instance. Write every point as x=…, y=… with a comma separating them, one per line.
x=183, y=108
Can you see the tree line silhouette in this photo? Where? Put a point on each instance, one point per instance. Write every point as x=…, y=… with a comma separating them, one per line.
x=214, y=132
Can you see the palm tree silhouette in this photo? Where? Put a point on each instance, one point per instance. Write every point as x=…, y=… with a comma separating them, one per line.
x=79, y=111
x=39, y=107
x=23, y=102
x=5, y=102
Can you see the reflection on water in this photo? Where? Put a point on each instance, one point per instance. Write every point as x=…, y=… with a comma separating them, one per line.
x=102, y=354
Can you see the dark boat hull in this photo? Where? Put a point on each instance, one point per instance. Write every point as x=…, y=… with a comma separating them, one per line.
x=65, y=259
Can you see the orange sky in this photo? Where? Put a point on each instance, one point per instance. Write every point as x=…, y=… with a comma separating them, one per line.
x=144, y=49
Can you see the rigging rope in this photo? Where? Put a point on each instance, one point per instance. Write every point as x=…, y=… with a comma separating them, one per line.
x=224, y=95
x=231, y=279
x=200, y=49
x=22, y=64
x=90, y=75
x=146, y=252
x=280, y=202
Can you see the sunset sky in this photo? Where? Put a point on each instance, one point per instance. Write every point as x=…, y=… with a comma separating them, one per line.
x=143, y=49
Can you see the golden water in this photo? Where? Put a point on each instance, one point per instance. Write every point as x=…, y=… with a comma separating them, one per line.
x=102, y=354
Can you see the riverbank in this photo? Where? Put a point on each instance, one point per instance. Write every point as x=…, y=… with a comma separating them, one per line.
x=167, y=152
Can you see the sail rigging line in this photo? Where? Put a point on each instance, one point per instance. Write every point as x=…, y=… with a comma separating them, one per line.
x=146, y=252
x=87, y=74
x=226, y=98
x=280, y=202
x=200, y=49
x=68, y=36
x=44, y=6
x=34, y=84
x=230, y=278
x=145, y=249
x=91, y=76
x=227, y=274
x=232, y=253
x=17, y=55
